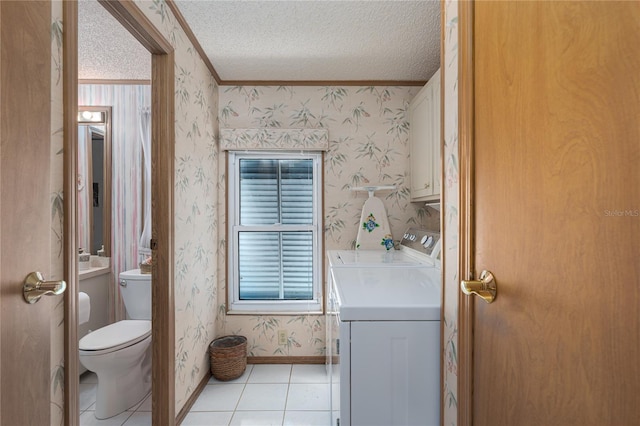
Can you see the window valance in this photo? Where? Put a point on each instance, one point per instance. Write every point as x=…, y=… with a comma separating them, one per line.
x=274, y=139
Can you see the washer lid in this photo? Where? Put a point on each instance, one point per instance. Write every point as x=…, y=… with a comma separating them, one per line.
x=117, y=335
x=388, y=294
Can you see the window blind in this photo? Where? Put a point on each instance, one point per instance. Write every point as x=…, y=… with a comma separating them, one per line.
x=275, y=243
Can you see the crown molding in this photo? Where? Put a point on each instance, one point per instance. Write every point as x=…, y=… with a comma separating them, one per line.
x=191, y=36
x=323, y=83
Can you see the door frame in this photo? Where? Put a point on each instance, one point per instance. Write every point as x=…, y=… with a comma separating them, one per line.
x=466, y=247
x=162, y=193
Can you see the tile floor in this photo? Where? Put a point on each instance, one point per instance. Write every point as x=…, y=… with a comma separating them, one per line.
x=266, y=394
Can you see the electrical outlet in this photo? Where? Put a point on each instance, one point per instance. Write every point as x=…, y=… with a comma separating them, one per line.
x=282, y=337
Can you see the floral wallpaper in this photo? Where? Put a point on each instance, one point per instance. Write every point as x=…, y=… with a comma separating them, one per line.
x=57, y=215
x=196, y=205
x=368, y=145
x=274, y=139
x=451, y=203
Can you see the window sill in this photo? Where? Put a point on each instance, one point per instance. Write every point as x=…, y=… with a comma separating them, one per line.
x=275, y=307
x=274, y=313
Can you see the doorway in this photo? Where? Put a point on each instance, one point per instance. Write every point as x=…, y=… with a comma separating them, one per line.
x=162, y=155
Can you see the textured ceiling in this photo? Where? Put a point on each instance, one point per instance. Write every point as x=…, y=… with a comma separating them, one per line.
x=106, y=51
x=317, y=40
x=281, y=40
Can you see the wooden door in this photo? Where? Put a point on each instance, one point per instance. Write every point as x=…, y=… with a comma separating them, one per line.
x=557, y=212
x=25, y=210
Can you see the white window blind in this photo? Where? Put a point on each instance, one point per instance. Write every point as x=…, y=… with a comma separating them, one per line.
x=275, y=231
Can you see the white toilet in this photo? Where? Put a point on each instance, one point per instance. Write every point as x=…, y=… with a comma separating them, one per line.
x=120, y=353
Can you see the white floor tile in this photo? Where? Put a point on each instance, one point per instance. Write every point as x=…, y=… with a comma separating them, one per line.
x=263, y=397
x=218, y=398
x=257, y=418
x=87, y=395
x=261, y=401
x=138, y=419
x=88, y=418
x=308, y=397
x=145, y=404
x=307, y=418
x=270, y=373
x=204, y=418
x=241, y=379
x=305, y=373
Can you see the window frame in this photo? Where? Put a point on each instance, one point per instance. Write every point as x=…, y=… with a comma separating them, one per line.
x=234, y=304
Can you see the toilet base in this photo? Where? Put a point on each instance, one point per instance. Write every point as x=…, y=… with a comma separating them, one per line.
x=116, y=395
x=124, y=378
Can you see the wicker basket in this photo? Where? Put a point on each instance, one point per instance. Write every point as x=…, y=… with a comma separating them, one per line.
x=228, y=357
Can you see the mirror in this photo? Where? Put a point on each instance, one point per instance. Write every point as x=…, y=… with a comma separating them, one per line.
x=94, y=179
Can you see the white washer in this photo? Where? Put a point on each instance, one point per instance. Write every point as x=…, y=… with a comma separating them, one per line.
x=418, y=247
x=387, y=314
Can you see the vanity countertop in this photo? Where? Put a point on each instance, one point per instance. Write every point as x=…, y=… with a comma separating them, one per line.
x=93, y=272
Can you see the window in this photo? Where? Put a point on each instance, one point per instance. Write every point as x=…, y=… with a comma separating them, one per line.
x=274, y=232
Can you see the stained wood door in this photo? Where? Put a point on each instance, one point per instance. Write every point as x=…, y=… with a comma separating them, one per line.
x=557, y=212
x=25, y=210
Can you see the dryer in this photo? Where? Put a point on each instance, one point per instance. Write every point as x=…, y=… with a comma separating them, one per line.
x=418, y=248
x=383, y=332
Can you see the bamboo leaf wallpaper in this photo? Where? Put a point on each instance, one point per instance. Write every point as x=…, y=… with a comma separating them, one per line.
x=368, y=144
x=195, y=203
x=451, y=205
x=56, y=271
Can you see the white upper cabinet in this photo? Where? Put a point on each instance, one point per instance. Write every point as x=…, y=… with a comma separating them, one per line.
x=424, y=140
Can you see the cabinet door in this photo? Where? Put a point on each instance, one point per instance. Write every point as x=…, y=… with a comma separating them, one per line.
x=424, y=139
x=436, y=135
x=421, y=117
x=395, y=373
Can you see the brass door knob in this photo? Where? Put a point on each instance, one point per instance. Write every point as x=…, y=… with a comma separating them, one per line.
x=35, y=287
x=486, y=287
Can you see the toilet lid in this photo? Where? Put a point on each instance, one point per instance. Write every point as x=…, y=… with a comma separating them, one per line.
x=117, y=335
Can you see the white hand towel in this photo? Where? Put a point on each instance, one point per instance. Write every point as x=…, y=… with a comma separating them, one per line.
x=84, y=304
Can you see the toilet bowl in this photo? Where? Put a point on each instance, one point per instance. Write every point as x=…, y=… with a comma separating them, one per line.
x=120, y=353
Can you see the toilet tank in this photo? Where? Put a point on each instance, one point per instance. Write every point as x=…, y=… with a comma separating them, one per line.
x=136, y=294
